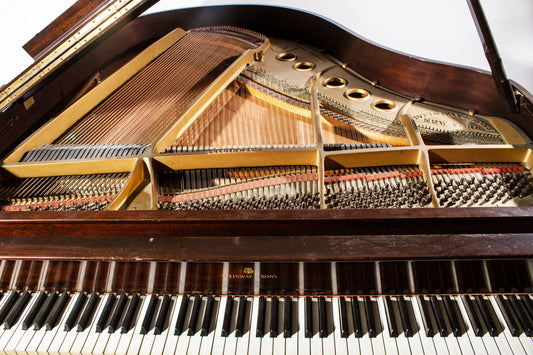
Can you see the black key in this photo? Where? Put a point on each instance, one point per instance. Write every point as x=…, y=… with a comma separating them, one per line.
x=181, y=315
x=274, y=304
x=117, y=313
x=8, y=305
x=130, y=313
x=507, y=313
x=80, y=300
x=287, y=318
x=322, y=318
x=475, y=322
x=208, y=314
x=408, y=330
x=260, y=331
x=56, y=311
x=526, y=300
x=241, y=316
x=17, y=310
x=162, y=315
x=454, y=317
x=87, y=312
x=391, y=318
x=372, y=332
x=343, y=318
x=100, y=325
x=439, y=316
x=308, y=317
x=193, y=321
x=149, y=315
x=485, y=310
x=521, y=314
x=45, y=310
x=227, y=317
x=356, y=315
x=30, y=317
x=426, y=318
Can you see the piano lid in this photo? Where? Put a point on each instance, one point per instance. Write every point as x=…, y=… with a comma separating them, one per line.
x=109, y=15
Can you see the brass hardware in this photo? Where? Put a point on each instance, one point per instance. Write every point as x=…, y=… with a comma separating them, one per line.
x=356, y=94
x=29, y=103
x=259, y=56
x=335, y=83
x=286, y=57
x=383, y=105
x=303, y=66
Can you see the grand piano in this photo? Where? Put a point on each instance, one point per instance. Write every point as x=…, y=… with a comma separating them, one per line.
x=205, y=181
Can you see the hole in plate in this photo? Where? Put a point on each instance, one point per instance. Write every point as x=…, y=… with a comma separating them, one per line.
x=286, y=57
x=356, y=94
x=383, y=105
x=303, y=66
x=334, y=83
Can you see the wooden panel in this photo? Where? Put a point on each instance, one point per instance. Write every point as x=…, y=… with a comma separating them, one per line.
x=357, y=278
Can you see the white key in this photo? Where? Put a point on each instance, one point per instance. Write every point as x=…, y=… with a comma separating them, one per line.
x=160, y=341
x=341, y=346
x=463, y=342
x=103, y=339
x=279, y=341
x=219, y=341
x=149, y=338
x=243, y=342
x=81, y=337
x=365, y=342
x=441, y=345
x=477, y=342
x=93, y=336
x=10, y=338
x=427, y=343
x=352, y=343
x=328, y=343
x=2, y=302
x=414, y=342
x=513, y=342
x=63, y=336
x=184, y=339
x=114, y=338
x=207, y=341
x=231, y=341
x=378, y=343
x=38, y=336
x=136, y=337
x=316, y=340
x=135, y=325
x=388, y=341
x=304, y=344
x=195, y=341
x=171, y=339
x=267, y=343
x=402, y=342
x=71, y=336
x=291, y=344
x=254, y=345
x=48, y=339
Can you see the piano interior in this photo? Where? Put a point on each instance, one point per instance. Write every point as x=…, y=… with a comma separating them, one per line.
x=395, y=223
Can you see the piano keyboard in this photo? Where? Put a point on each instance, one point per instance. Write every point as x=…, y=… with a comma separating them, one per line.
x=404, y=307
x=94, y=323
